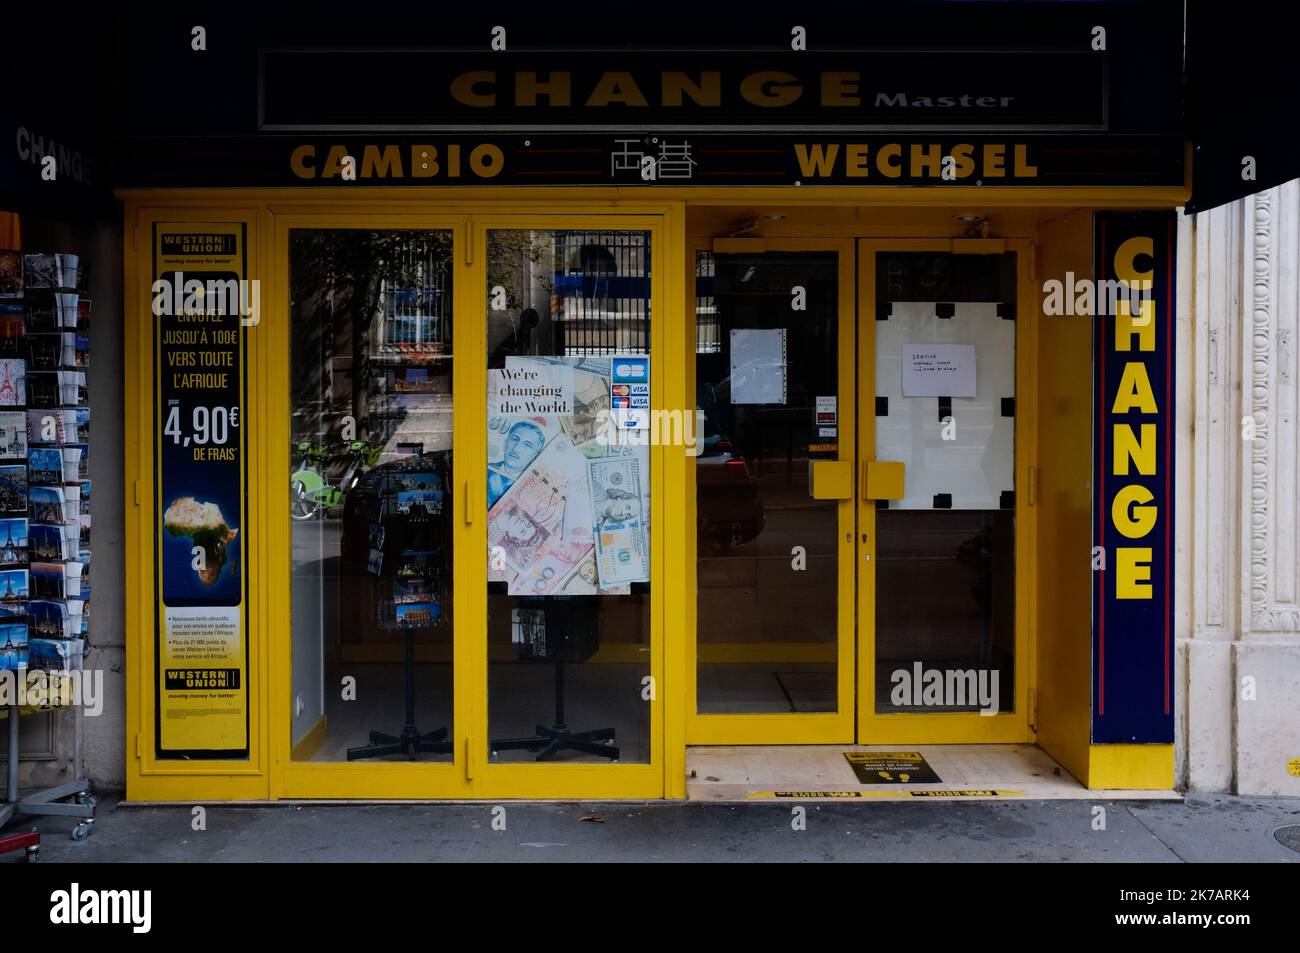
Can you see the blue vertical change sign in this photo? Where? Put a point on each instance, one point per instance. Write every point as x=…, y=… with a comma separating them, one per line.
x=1133, y=502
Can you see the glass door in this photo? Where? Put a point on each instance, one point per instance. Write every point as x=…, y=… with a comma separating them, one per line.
x=570, y=510
x=366, y=495
x=944, y=515
x=774, y=381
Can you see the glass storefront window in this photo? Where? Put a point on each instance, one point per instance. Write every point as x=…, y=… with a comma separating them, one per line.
x=371, y=410
x=767, y=637
x=568, y=495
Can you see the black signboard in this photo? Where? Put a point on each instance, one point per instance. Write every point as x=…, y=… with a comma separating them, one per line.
x=437, y=90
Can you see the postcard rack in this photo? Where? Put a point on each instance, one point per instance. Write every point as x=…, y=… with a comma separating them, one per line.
x=407, y=546
x=44, y=506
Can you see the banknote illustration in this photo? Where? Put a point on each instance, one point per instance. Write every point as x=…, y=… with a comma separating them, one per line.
x=551, y=569
x=621, y=536
x=531, y=512
x=513, y=444
x=591, y=406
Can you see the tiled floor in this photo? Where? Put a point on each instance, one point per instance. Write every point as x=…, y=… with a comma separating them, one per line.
x=750, y=687
x=813, y=772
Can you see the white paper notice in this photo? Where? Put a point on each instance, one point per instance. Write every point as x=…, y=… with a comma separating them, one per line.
x=757, y=366
x=938, y=370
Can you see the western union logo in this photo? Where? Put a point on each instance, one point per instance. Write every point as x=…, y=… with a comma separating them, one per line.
x=200, y=679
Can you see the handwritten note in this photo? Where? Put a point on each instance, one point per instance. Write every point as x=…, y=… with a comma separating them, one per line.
x=938, y=370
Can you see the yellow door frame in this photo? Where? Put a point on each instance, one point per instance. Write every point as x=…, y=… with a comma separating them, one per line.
x=149, y=777
x=783, y=728
x=956, y=727
x=533, y=780
x=292, y=778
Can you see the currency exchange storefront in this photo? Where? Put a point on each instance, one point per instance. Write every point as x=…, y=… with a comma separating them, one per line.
x=503, y=424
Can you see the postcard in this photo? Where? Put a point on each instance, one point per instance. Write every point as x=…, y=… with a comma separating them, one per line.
x=13, y=435
x=13, y=542
x=47, y=502
x=49, y=541
x=13, y=382
x=13, y=646
x=418, y=613
x=13, y=329
x=14, y=584
x=42, y=388
x=49, y=581
x=40, y=271
x=11, y=273
x=45, y=466
x=13, y=488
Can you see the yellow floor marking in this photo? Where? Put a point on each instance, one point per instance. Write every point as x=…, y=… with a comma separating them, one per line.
x=975, y=792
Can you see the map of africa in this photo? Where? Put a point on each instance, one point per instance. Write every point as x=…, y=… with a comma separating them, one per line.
x=204, y=524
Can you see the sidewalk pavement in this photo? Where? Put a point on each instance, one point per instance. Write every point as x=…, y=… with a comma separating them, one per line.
x=1202, y=828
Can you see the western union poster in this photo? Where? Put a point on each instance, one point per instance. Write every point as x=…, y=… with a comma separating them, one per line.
x=201, y=303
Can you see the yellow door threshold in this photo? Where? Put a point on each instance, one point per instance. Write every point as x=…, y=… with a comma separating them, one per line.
x=823, y=773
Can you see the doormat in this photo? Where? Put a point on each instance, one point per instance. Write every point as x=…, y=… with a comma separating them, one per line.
x=891, y=767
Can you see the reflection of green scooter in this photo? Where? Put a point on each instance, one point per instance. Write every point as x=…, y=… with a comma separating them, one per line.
x=309, y=489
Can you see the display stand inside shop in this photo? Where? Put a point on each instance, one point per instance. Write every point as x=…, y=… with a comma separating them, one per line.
x=411, y=532
x=558, y=629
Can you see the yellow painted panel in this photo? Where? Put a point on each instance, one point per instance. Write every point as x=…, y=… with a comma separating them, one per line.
x=739, y=246
x=1063, y=613
x=978, y=246
x=1131, y=767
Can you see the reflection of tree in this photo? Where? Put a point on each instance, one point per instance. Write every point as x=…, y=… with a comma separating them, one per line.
x=337, y=278
x=518, y=261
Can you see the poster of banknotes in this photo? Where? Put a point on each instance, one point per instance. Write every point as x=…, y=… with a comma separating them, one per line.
x=568, y=484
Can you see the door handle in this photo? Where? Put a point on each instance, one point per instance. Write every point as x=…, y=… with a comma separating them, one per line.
x=883, y=479
x=471, y=502
x=830, y=479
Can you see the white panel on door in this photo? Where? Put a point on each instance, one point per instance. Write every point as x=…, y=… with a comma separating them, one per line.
x=969, y=462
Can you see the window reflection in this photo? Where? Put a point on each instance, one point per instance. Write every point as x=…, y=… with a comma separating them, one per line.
x=371, y=412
